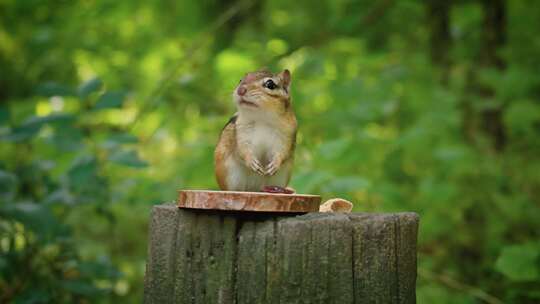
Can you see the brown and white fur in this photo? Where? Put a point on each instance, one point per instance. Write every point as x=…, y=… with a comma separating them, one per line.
x=256, y=147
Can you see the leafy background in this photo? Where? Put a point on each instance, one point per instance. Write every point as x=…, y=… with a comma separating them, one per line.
x=108, y=107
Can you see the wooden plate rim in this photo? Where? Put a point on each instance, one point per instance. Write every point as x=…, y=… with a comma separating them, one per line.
x=313, y=201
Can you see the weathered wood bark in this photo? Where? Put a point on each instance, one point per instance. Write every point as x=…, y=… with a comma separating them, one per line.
x=199, y=256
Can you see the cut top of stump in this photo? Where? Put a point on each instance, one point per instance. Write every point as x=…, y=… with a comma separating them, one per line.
x=248, y=201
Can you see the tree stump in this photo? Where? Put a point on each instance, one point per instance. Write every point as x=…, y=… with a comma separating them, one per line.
x=201, y=256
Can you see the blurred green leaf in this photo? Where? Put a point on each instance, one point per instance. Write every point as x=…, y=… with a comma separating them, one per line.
x=39, y=121
x=50, y=89
x=31, y=127
x=334, y=149
x=83, y=170
x=62, y=196
x=82, y=287
x=19, y=134
x=4, y=115
x=36, y=217
x=110, y=100
x=67, y=138
x=520, y=262
x=308, y=182
x=101, y=270
x=117, y=139
x=89, y=87
x=123, y=138
x=8, y=186
x=522, y=116
x=346, y=184
x=127, y=158
x=33, y=296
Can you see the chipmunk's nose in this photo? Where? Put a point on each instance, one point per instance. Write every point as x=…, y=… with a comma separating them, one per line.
x=241, y=90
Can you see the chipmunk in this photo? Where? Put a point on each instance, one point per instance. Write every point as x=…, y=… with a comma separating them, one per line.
x=255, y=151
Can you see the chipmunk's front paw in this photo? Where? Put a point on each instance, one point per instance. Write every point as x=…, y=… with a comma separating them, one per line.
x=272, y=167
x=256, y=166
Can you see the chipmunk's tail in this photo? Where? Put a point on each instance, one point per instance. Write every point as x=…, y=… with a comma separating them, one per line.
x=336, y=205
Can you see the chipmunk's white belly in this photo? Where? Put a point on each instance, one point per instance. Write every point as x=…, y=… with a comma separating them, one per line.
x=266, y=141
x=242, y=178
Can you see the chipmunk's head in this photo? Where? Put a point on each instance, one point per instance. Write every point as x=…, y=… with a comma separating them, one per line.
x=263, y=90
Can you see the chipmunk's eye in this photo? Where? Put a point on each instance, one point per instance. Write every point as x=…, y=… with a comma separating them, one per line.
x=270, y=84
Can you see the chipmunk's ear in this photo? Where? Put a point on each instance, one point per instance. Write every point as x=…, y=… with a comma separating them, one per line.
x=286, y=79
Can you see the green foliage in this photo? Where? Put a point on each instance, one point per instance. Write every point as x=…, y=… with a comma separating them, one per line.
x=109, y=107
x=519, y=262
x=56, y=163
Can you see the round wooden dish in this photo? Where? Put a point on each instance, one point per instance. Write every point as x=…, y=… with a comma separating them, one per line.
x=248, y=201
